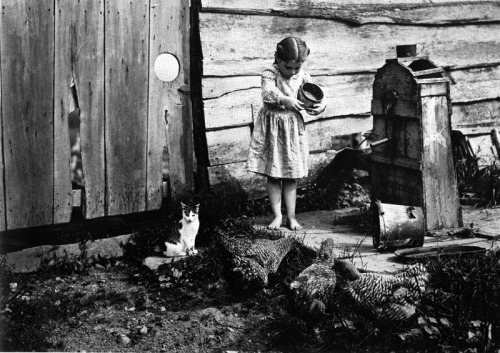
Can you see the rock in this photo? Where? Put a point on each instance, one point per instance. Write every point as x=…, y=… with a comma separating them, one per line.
x=143, y=330
x=123, y=339
x=153, y=262
x=214, y=313
x=120, y=331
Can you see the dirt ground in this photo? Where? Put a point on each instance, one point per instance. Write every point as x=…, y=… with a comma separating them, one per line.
x=108, y=310
x=120, y=309
x=120, y=305
x=187, y=306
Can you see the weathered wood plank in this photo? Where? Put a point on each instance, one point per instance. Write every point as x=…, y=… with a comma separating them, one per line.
x=440, y=188
x=79, y=62
x=178, y=103
x=362, y=13
x=234, y=177
x=2, y=165
x=475, y=83
x=484, y=149
x=270, y=4
x=126, y=87
x=249, y=42
x=27, y=56
x=228, y=146
x=437, y=89
x=84, y=64
x=321, y=133
x=157, y=105
x=344, y=95
x=476, y=112
x=235, y=101
x=231, y=145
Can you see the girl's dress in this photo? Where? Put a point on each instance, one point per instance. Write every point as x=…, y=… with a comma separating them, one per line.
x=279, y=147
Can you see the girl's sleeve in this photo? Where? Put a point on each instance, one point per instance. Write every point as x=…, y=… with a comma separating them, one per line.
x=270, y=93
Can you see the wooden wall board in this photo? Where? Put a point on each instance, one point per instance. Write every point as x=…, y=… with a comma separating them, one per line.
x=249, y=43
x=488, y=110
x=234, y=177
x=475, y=83
x=484, y=149
x=157, y=104
x=89, y=77
x=237, y=105
x=79, y=61
x=126, y=100
x=3, y=215
x=293, y=4
x=442, y=208
x=271, y=4
x=321, y=133
x=27, y=111
x=63, y=105
x=231, y=145
x=362, y=13
x=235, y=101
x=228, y=146
x=177, y=108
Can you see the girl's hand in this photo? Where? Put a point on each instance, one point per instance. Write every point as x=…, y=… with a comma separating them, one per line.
x=316, y=109
x=292, y=103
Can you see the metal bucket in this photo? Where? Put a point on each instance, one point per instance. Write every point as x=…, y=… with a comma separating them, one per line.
x=397, y=226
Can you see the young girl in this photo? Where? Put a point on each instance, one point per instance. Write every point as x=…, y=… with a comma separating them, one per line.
x=279, y=147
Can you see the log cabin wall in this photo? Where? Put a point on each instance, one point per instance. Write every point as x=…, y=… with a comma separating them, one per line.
x=348, y=42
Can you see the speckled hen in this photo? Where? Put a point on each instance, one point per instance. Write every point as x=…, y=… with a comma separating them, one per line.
x=252, y=260
x=387, y=299
x=314, y=287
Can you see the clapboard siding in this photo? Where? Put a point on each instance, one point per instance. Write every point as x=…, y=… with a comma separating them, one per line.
x=27, y=111
x=249, y=42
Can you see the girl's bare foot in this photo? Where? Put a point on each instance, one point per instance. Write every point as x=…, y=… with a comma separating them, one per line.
x=276, y=223
x=292, y=224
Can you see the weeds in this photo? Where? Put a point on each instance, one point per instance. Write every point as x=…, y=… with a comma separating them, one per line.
x=464, y=301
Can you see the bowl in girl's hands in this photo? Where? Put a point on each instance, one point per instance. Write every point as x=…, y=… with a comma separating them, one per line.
x=310, y=94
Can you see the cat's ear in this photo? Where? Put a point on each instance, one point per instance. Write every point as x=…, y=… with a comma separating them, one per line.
x=183, y=205
x=197, y=207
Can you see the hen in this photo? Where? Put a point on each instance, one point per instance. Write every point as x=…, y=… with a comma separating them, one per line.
x=252, y=260
x=313, y=288
x=387, y=299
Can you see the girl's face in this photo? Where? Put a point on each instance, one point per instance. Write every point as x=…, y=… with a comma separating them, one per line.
x=289, y=68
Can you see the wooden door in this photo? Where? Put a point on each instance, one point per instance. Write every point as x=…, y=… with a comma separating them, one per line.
x=95, y=59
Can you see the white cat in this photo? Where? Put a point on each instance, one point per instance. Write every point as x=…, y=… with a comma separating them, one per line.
x=180, y=238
